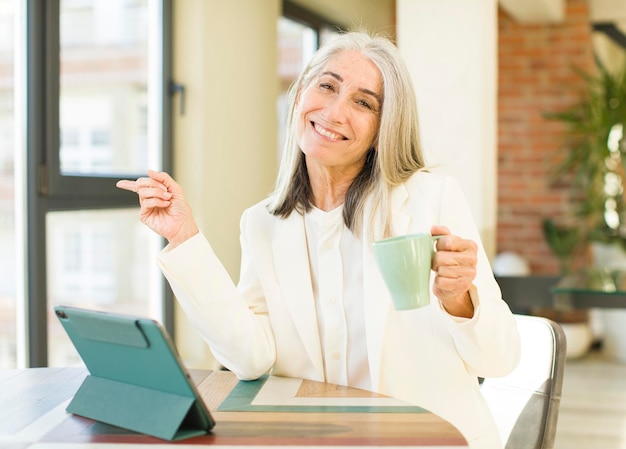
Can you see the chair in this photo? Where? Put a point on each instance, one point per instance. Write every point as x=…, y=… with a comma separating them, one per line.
x=525, y=404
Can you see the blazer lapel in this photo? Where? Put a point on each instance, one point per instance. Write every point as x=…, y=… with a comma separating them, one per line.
x=377, y=299
x=294, y=277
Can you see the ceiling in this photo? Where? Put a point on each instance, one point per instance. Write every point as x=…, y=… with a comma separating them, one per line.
x=608, y=16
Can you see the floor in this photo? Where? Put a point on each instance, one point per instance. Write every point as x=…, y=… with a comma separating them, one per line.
x=593, y=404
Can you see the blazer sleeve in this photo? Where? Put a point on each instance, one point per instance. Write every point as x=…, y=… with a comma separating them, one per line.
x=233, y=321
x=489, y=342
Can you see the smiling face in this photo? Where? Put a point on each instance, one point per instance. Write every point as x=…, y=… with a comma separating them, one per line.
x=338, y=113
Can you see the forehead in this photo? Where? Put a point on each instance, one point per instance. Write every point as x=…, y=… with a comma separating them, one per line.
x=354, y=68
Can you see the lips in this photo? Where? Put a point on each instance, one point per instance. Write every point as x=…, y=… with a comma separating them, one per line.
x=327, y=133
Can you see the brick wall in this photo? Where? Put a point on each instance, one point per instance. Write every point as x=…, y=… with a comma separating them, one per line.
x=535, y=77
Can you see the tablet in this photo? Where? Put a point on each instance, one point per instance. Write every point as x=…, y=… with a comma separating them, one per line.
x=136, y=379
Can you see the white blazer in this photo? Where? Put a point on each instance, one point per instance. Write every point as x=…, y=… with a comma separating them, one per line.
x=423, y=356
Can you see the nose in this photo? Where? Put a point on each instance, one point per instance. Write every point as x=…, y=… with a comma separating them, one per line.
x=335, y=110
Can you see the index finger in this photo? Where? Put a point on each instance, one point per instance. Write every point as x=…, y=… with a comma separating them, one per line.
x=439, y=230
x=127, y=185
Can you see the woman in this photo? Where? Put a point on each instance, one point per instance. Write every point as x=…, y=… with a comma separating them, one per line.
x=310, y=301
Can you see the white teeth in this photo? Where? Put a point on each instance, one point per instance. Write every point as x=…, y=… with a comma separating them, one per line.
x=326, y=133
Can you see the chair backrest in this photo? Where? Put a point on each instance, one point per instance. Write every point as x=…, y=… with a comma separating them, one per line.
x=525, y=404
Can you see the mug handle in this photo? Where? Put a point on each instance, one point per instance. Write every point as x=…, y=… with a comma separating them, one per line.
x=435, y=238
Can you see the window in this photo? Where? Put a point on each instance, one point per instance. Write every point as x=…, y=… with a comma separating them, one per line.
x=9, y=284
x=88, y=107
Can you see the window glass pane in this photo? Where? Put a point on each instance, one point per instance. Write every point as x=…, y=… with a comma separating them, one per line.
x=101, y=260
x=327, y=34
x=104, y=85
x=297, y=43
x=10, y=275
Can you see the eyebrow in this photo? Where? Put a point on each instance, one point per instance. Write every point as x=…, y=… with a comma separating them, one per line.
x=362, y=89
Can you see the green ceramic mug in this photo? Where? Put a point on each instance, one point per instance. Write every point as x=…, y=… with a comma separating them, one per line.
x=404, y=263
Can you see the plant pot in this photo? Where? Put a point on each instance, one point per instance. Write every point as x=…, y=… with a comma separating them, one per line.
x=612, y=331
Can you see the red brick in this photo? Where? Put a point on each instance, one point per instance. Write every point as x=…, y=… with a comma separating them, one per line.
x=535, y=76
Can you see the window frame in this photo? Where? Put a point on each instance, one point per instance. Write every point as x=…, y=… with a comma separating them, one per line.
x=46, y=189
x=310, y=19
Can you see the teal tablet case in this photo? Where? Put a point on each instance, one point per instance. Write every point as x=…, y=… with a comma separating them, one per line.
x=136, y=379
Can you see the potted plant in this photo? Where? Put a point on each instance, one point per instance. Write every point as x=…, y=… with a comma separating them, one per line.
x=593, y=164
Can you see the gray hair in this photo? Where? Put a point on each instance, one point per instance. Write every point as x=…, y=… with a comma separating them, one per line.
x=397, y=154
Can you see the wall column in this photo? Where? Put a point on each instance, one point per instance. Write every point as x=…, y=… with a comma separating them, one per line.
x=225, y=144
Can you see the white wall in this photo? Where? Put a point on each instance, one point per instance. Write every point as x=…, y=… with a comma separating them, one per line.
x=450, y=47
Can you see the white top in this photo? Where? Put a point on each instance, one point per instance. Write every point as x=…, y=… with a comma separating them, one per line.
x=338, y=293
